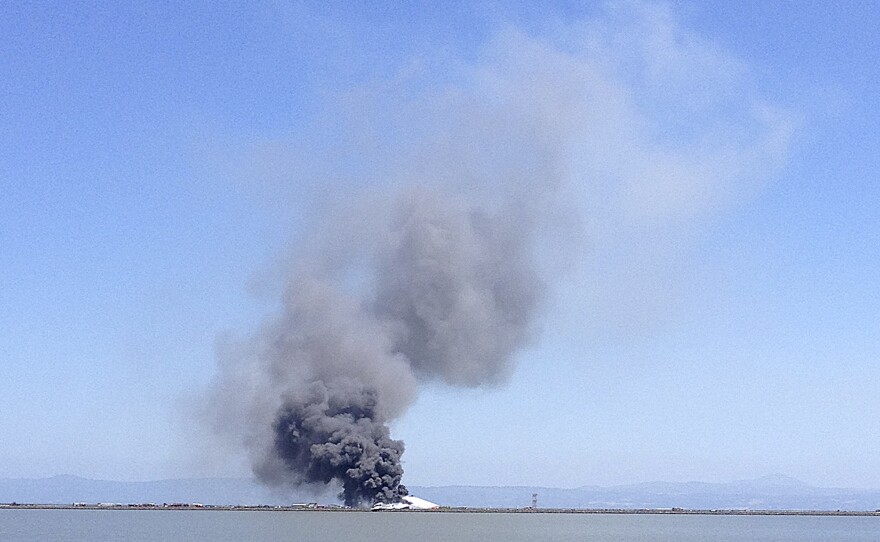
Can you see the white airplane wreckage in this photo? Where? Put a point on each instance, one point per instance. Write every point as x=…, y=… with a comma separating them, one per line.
x=407, y=503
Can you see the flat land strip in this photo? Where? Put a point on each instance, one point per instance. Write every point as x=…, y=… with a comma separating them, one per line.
x=441, y=510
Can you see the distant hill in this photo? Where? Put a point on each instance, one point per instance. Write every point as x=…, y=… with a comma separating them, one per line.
x=774, y=492
x=768, y=493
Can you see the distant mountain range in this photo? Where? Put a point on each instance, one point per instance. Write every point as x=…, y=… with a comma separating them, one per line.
x=774, y=492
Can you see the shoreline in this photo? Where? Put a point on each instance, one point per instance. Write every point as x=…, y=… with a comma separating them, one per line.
x=441, y=510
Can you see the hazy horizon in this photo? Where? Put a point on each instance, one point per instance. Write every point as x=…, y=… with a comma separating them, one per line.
x=773, y=492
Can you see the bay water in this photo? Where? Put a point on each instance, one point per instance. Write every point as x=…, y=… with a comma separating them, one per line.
x=17, y=525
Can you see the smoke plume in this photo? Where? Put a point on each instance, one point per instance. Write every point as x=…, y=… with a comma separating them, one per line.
x=435, y=274
x=444, y=288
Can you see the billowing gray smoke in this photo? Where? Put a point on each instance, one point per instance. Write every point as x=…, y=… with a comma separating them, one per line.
x=457, y=287
x=438, y=288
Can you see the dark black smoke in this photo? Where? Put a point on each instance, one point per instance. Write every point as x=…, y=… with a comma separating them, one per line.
x=334, y=438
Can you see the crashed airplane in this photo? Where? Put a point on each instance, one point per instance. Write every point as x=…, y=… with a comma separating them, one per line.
x=407, y=503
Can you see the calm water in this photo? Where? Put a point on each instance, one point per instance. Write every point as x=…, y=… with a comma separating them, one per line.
x=219, y=526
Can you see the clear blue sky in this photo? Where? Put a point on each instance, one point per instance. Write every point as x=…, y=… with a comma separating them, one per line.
x=720, y=319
